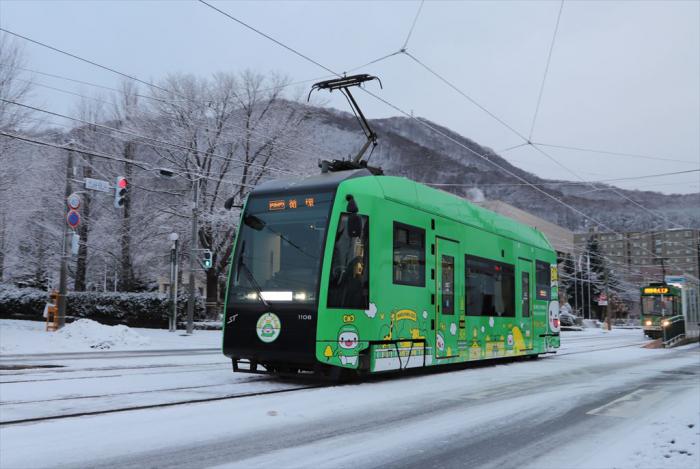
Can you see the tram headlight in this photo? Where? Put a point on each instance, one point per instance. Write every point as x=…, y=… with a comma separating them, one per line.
x=647, y=322
x=665, y=322
x=300, y=296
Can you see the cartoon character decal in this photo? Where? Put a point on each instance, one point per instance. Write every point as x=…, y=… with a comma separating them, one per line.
x=440, y=342
x=268, y=327
x=348, y=344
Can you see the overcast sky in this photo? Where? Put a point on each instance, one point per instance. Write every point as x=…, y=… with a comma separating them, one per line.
x=624, y=76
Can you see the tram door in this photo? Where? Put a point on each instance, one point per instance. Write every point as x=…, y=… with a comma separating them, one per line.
x=524, y=289
x=449, y=278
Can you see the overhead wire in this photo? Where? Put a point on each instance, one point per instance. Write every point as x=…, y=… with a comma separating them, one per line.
x=125, y=75
x=546, y=70
x=422, y=122
x=413, y=25
x=614, y=153
x=106, y=156
x=144, y=137
x=566, y=183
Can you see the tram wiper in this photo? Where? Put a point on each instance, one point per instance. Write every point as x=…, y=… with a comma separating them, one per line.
x=249, y=274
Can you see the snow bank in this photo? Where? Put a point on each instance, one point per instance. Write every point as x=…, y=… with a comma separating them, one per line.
x=85, y=335
x=101, y=337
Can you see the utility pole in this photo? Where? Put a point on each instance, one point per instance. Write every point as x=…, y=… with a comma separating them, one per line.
x=173, y=281
x=194, y=244
x=608, y=319
x=63, y=274
x=575, y=287
x=588, y=267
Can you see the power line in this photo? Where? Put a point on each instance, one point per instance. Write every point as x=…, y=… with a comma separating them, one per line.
x=104, y=67
x=546, y=70
x=466, y=96
x=257, y=31
x=565, y=183
x=106, y=156
x=614, y=153
x=125, y=75
x=136, y=135
x=425, y=124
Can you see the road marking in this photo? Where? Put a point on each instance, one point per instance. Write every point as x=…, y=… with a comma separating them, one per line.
x=630, y=405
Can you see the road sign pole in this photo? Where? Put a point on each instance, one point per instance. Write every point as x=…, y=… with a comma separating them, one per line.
x=63, y=274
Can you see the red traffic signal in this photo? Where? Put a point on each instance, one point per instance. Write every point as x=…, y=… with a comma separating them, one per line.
x=120, y=190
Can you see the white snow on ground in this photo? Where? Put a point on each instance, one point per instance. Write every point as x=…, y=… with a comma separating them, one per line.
x=468, y=402
x=85, y=335
x=665, y=436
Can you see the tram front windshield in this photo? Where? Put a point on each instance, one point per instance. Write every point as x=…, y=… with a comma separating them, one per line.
x=657, y=305
x=279, y=248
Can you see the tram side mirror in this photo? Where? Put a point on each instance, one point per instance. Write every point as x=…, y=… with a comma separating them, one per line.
x=254, y=222
x=354, y=226
x=228, y=205
x=352, y=205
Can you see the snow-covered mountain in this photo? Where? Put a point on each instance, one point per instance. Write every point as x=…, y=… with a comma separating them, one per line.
x=408, y=148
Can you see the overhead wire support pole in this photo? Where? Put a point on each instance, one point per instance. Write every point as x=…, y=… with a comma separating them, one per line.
x=194, y=244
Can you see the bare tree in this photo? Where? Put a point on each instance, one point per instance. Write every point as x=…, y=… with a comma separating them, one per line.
x=12, y=88
x=233, y=128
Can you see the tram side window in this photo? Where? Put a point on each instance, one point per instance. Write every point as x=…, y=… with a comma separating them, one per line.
x=448, y=281
x=348, y=285
x=525, y=287
x=542, y=280
x=409, y=255
x=490, y=288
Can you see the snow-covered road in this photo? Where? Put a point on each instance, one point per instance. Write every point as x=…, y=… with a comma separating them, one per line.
x=602, y=399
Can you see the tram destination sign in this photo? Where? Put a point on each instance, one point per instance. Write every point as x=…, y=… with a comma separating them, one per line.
x=98, y=185
x=655, y=290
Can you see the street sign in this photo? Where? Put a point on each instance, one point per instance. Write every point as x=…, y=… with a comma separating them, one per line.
x=73, y=218
x=73, y=201
x=97, y=185
x=75, y=244
x=602, y=300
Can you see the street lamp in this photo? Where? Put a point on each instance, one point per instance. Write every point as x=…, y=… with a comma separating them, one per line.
x=194, y=242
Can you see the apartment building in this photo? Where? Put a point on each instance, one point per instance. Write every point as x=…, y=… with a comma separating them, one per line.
x=648, y=256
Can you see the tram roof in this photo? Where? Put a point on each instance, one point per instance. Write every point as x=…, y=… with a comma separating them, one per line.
x=419, y=196
x=451, y=206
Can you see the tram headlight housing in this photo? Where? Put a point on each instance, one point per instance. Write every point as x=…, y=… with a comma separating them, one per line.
x=665, y=322
x=648, y=322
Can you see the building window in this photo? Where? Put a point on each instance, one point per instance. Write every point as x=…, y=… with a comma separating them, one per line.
x=542, y=280
x=409, y=255
x=348, y=284
x=490, y=288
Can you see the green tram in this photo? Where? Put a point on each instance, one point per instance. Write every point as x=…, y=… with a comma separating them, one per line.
x=355, y=271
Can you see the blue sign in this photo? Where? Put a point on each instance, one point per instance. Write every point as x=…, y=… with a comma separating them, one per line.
x=73, y=218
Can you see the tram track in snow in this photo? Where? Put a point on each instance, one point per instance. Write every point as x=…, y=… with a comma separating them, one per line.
x=106, y=398
x=7, y=423
x=169, y=369
x=126, y=393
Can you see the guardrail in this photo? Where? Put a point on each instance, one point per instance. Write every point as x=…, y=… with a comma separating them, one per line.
x=673, y=329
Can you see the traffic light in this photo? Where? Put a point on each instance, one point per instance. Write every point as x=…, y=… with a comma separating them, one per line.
x=120, y=190
x=207, y=260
